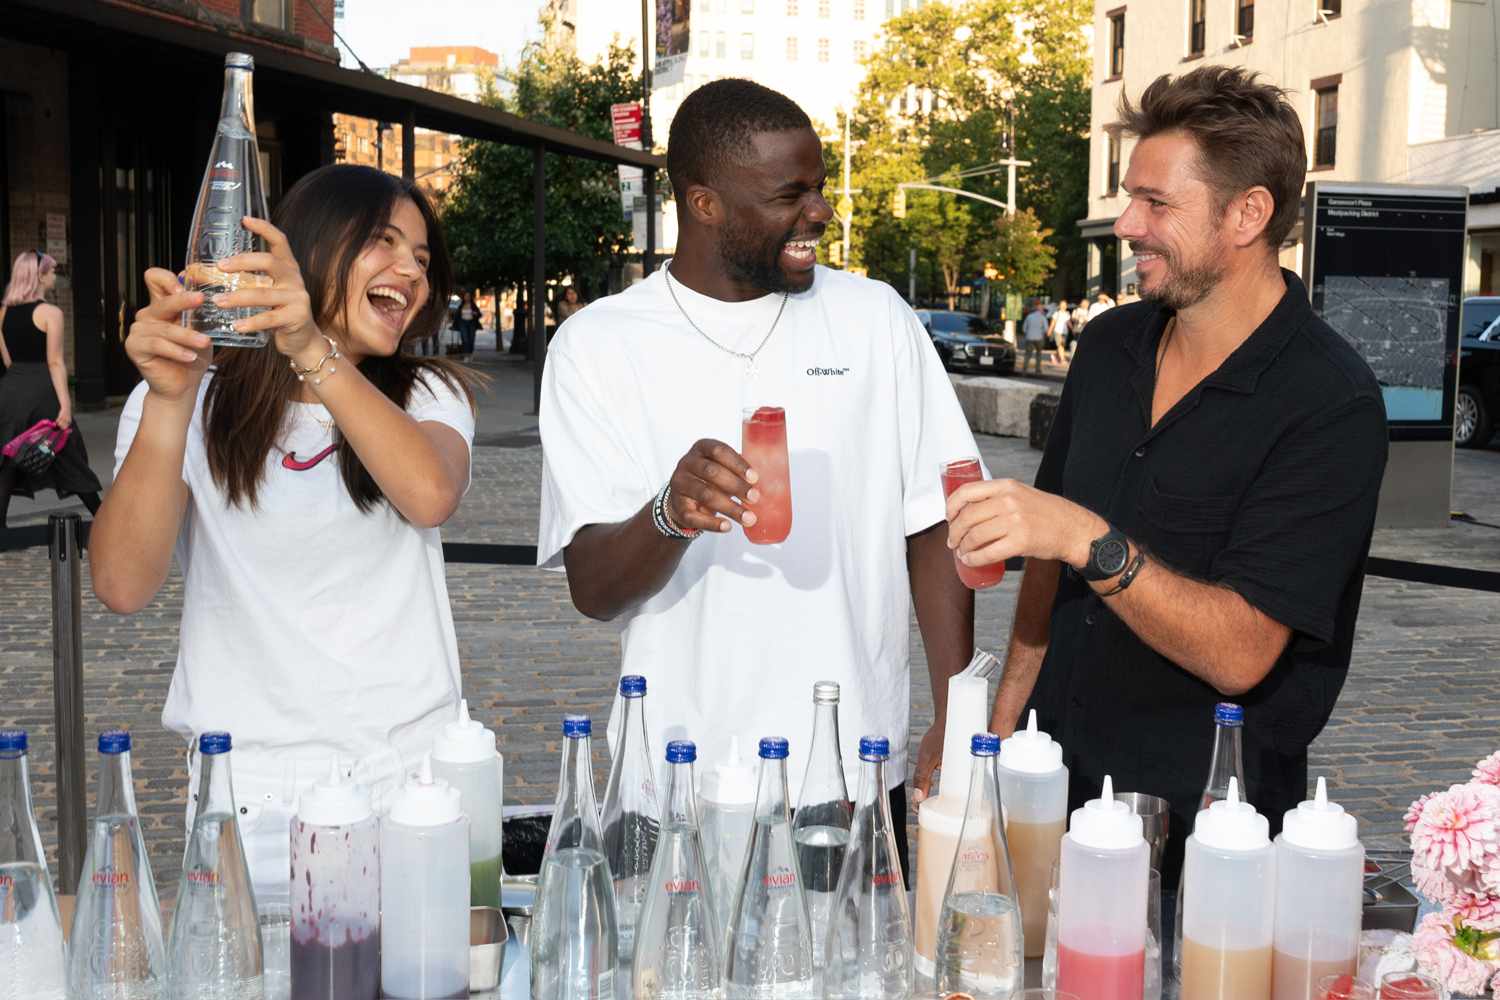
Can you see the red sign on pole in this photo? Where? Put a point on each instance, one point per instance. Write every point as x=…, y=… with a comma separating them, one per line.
x=626, y=119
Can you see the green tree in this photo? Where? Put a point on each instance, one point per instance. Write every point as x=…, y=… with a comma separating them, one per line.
x=1017, y=247
x=488, y=209
x=952, y=90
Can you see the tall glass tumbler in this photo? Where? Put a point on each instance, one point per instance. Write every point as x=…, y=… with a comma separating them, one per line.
x=764, y=447
x=954, y=475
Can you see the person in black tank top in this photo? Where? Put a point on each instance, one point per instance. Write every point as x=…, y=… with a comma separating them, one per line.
x=35, y=385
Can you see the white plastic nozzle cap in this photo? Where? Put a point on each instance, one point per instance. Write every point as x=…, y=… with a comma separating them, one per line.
x=424, y=801
x=1232, y=825
x=1106, y=824
x=464, y=740
x=1320, y=825
x=1031, y=751
x=731, y=781
x=335, y=802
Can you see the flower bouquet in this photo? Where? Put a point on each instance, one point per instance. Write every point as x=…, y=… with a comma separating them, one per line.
x=1455, y=843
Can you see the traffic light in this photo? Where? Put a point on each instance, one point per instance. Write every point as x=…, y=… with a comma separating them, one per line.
x=898, y=203
x=836, y=253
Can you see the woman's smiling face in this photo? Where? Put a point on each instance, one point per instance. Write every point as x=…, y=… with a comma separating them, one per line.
x=388, y=285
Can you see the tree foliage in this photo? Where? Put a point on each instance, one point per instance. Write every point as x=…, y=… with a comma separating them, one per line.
x=1017, y=247
x=488, y=209
x=946, y=93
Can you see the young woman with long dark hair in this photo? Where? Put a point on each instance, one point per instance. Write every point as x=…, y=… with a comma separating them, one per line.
x=300, y=487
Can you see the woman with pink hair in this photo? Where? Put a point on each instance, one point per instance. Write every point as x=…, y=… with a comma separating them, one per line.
x=35, y=386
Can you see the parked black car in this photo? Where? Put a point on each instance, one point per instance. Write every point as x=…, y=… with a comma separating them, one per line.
x=1478, y=373
x=967, y=343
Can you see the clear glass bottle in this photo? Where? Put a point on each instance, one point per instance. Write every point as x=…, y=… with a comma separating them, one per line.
x=232, y=189
x=820, y=826
x=117, y=950
x=32, y=958
x=980, y=949
x=679, y=954
x=631, y=816
x=214, y=947
x=574, y=940
x=770, y=934
x=868, y=949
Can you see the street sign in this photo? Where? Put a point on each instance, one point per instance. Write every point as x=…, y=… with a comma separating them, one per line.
x=626, y=119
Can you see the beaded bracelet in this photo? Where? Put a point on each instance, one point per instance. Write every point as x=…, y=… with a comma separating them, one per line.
x=662, y=518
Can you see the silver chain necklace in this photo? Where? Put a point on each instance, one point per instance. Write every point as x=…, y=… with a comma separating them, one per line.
x=749, y=359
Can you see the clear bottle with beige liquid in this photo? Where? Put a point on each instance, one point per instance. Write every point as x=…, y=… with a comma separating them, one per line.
x=1034, y=788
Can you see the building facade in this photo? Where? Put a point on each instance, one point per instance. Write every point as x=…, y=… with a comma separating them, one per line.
x=1383, y=87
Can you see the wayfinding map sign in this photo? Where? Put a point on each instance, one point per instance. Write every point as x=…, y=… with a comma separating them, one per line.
x=1384, y=266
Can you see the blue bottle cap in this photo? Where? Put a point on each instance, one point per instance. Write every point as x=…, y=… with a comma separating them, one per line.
x=984, y=745
x=874, y=748
x=1227, y=713
x=114, y=741
x=632, y=685
x=212, y=743
x=577, y=726
x=13, y=740
x=773, y=748
x=681, y=752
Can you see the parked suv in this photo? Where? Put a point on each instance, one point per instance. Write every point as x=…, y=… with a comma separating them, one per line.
x=1478, y=372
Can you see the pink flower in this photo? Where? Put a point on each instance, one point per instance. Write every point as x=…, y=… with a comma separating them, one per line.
x=1414, y=812
x=1434, y=883
x=1459, y=830
x=1479, y=912
x=1487, y=771
x=1437, y=956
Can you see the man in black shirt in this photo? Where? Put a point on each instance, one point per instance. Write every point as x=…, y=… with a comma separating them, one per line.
x=1200, y=521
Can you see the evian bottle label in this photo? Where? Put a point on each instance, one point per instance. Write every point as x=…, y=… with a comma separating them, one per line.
x=109, y=878
x=781, y=878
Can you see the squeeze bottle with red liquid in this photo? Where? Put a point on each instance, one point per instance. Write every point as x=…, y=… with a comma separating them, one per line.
x=1101, y=906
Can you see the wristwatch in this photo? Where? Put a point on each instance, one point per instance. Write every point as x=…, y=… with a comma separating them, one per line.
x=1109, y=554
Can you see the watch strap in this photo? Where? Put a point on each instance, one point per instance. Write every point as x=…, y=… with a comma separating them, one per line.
x=1128, y=577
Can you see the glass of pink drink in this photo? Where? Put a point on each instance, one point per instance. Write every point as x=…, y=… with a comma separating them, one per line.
x=1343, y=987
x=954, y=475
x=1410, y=986
x=764, y=447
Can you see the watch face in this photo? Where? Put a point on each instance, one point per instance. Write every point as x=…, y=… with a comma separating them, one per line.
x=1111, y=556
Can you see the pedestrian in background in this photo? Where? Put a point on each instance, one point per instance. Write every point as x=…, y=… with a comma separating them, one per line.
x=35, y=386
x=1058, y=330
x=570, y=304
x=1033, y=335
x=468, y=324
x=1102, y=303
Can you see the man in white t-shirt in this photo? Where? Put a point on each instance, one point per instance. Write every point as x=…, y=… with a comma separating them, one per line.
x=641, y=422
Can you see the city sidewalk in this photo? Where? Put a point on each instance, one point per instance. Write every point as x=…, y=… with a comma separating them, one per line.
x=1419, y=707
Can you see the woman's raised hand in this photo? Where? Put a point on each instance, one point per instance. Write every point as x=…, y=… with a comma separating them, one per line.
x=170, y=357
x=288, y=309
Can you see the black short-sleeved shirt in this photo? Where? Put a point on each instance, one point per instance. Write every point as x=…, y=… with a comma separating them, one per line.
x=1264, y=479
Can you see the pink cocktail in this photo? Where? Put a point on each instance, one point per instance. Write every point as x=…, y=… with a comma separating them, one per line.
x=1101, y=977
x=764, y=447
x=1410, y=986
x=955, y=474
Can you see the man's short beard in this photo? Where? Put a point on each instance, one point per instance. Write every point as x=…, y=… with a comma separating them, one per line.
x=1183, y=288
x=749, y=264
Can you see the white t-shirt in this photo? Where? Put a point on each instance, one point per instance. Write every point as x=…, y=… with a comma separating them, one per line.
x=310, y=629
x=732, y=645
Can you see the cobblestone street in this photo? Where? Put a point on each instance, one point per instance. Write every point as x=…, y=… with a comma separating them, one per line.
x=1419, y=708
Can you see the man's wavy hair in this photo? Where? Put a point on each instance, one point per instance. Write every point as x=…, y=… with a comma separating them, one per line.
x=1247, y=133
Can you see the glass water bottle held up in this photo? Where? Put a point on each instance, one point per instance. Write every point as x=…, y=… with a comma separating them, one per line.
x=117, y=948
x=31, y=940
x=574, y=939
x=868, y=950
x=770, y=937
x=678, y=955
x=631, y=815
x=214, y=947
x=980, y=948
x=232, y=189
x=820, y=826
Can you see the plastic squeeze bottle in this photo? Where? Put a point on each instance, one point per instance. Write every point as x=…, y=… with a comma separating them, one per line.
x=940, y=819
x=726, y=798
x=1319, y=897
x=464, y=756
x=1229, y=881
x=1101, y=906
x=424, y=892
x=1034, y=788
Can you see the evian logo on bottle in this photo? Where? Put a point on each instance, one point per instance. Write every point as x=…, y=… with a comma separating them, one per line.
x=683, y=887
x=974, y=856
x=883, y=880
x=224, y=176
x=781, y=878
x=108, y=878
x=203, y=876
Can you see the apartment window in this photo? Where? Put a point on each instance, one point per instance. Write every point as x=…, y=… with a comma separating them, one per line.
x=791, y=49
x=859, y=10
x=1244, y=24
x=1197, y=26
x=747, y=46
x=1117, y=42
x=1112, y=173
x=1326, y=118
x=791, y=8
x=824, y=8
x=859, y=51
x=705, y=43
x=822, y=50
x=271, y=13
x=721, y=45
x=1327, y=8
